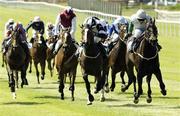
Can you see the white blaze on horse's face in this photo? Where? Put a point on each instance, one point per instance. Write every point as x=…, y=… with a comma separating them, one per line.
x=85, y=35
x=65, y=35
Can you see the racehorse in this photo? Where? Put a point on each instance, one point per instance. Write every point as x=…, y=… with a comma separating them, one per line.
x=116, y=58
x=38, y=55
x=49, y=54
x=16, y=60
x=66, y=62
x=146, y=61
x=92, y=63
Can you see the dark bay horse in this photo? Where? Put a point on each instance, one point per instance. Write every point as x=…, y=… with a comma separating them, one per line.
x=92, y=63
x=146, y=61
x=116, y=58
x=16, y=60
x=38, y=55
x=66, y=62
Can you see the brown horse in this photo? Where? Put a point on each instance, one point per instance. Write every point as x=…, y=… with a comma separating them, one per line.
x=49, y=54
x=116, y=58
x=16, y=60
x=66, y=62
x=92, y=63
x=38, y=55
x=146, y=61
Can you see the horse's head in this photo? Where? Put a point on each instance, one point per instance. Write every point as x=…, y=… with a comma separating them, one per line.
x=15, y=37
x=151, y=32
x=87, y=34
x=123, y=30
x=66, y=39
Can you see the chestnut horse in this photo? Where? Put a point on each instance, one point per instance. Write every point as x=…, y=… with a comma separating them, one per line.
x=116, y=58
x=146, y=61
x=66, y=62
x=38, y=55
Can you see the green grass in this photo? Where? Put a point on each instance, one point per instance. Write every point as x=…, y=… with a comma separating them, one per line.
x=43, y=99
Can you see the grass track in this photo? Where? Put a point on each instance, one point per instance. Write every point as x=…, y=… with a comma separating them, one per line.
x=37, y=100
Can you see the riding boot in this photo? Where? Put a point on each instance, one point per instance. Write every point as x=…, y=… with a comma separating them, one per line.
x=110, y=46
x=57, y=47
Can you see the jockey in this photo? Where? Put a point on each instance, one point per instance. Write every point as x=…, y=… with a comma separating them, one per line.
x=50, y=34
x=114, y=30
x=139, y=22
x=38, y=28
x=65, y=20
x=7, y=34
x=100, y=31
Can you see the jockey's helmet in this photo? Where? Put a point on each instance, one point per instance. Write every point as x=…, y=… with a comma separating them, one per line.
x=36, y=19
x=68, y=10
x=50, y=26
x=141, y=14
x=11, y=21
x=91, y=22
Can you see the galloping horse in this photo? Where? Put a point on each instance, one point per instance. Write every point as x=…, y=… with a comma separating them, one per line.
x=66, y=62
x=49, y=54
x=16, y=60
x=116, y=58
x=38, y=55
x=146, y=61
x=92, y=63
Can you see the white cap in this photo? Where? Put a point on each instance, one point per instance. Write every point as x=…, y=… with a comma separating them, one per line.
x=11, y=21
x=141, y=14
x=36, y=19
x=120, y=20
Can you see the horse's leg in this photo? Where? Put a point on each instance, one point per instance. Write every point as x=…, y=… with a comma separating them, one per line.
x=2, y=59
x=161, y=83
x=23, y=77
x=148, y=80
x=50, y=67
x=37, y=72
x=106, y=88
x=30, y=66
x=113, y=84
x=12, y=84
x=131, y=78
x=17, y=78
x=122, y=79
x=137, y=95
x=43, y=66
x=102, y=98
x=90, y=96
x=61, y=85
x=72, y=81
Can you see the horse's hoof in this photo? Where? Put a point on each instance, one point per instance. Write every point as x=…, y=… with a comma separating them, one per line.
x=136, y=101
x=2, y=65
x=106, y=89
x=91, y=98
x=149, y=100
x=89, y=103
x=164, y=92
x=42, y=77
x=123, y=89
x=14, y=95
x=22, y=85
x=72, y=99
x=96, y=91
x=25, y=82
x=102, y=99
